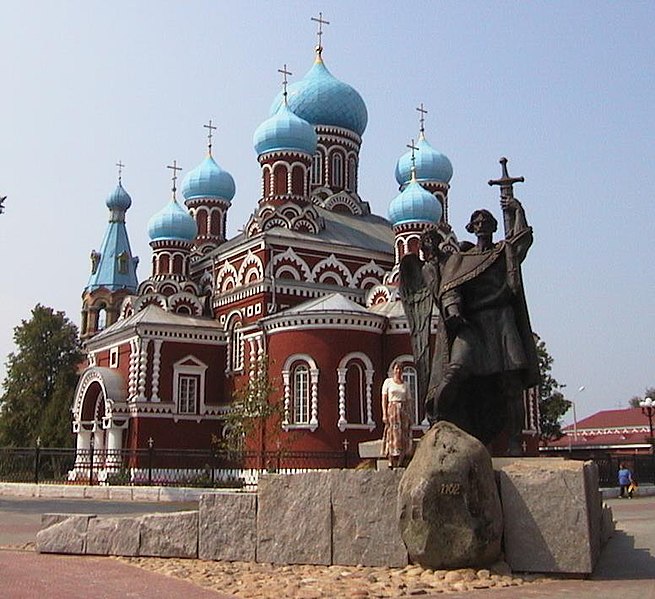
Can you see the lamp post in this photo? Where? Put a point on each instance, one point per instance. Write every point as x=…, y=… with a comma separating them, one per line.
x=647, y=406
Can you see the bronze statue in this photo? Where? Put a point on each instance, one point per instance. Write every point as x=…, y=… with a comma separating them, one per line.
x=483, y=351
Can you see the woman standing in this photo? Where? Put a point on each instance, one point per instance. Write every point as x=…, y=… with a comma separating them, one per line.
x=396, y=417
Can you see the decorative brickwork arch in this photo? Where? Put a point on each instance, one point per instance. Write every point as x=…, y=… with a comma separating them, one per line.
x=332, y=263
x=251, y=269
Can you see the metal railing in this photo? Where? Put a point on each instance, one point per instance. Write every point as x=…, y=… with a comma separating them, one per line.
x=162, y=467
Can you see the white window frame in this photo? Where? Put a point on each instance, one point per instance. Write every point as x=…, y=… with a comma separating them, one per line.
x=367, y=409
x=113, y=357
x=189, y=366
x=288, y=372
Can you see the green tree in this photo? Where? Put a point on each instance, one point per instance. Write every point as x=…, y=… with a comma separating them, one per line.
x=40, y=381
x=552, y=403
x=252, y=411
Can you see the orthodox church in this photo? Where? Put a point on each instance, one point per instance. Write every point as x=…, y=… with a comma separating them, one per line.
x=309, y=288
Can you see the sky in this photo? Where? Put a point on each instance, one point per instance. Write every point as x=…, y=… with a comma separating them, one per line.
x=563, y=89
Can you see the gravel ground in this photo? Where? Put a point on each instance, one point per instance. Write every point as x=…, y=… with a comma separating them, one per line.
x=251, y=580
x=269, y=581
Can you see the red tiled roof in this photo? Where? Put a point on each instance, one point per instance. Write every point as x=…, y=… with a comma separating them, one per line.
x=636, y=438
x=612, y=419
x=628, y=426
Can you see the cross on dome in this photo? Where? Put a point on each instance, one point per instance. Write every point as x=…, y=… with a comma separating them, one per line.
x=211, y=128
x=422, y=111
x=120, y=166
x=413, y=148
x=174, y=168
x=285, y=81
x=321, y=22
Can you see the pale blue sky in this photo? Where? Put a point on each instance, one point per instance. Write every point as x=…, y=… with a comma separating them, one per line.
x=563, y=89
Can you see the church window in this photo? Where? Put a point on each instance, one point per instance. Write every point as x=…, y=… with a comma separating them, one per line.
x=337, y=170
x=215, y=223
x=300, y=380
x=113, y=357
x=201, y=219
x=123, y=261
x=236, y=349
x=298, y=180
x=280, y=180
x=178, y=264
x=187, y=394
x=355, y=394
x=352, y=174
x=95, y=262
x=317, y=169
x=164, y=264
x=102, y=319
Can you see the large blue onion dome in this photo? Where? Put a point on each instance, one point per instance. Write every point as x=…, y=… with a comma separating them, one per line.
x=431, y=165
x=285, y=131
x=321, y=99
x=119, y=199
x=415, y=204
x=173, y=222
x=208, y=180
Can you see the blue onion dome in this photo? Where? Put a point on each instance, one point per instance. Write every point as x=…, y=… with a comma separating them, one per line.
x=119, y=199
x=415, y=204
x=173, y=222
x=208, y=180
x=285, y=131
x=321, y=99
x=430, y=164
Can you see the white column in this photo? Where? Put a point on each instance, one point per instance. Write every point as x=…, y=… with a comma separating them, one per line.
x=156, y=364
x=341, y=378
x=114, y=445
x=143, y=363
x=313, y=421
x=287, y=398
x=369, y=400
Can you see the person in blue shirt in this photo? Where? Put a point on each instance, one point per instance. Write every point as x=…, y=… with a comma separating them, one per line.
x=625, y=480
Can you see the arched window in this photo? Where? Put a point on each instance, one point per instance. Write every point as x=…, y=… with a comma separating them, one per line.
x=298, y=180
x=409, y=376
x=164, y=265
x=236, y=347
x=337, y=170
x=280, y=180
x=102, y=319
x=215, y=223
x=352, y=174
x=300, y=411
x=201, y=219
x=355, y=394
x=317, y=169
x=178, y=265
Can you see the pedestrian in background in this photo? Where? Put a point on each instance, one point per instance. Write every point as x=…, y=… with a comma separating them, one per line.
x=625, y=482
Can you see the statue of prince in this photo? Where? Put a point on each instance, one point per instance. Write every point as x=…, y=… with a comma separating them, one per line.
x=483, y=354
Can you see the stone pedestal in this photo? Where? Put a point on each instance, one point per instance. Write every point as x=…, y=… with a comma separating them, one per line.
x=554, y=520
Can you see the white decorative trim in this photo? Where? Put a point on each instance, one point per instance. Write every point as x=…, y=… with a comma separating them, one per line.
x=292, y=257
x=250, y=262
x=312, y=425
x=375, y=271
x=143, y=365
x=332, y=262
x=156, y=363
x=134, y=365
x=341, y=377
x=197, y=369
